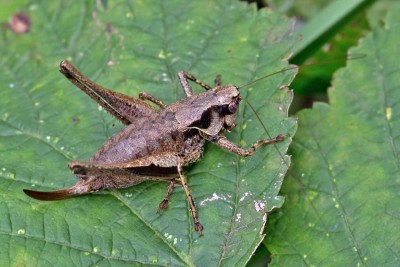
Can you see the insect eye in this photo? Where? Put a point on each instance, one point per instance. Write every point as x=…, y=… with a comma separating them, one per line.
x=232, y=107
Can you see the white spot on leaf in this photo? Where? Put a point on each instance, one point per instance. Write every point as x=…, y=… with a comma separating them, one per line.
x=214, y=198
x=388, y=113
x=21, y=231
x=161, y=54
x=259, y=205
x=244, y=196
x=238, y=217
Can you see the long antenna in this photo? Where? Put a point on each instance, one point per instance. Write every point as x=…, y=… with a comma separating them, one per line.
x=266, y=131
x=292, y=67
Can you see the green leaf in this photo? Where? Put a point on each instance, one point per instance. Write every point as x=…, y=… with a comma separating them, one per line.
x=132, y=47
x=328, y=20
x=342, y=205
x=325, y=40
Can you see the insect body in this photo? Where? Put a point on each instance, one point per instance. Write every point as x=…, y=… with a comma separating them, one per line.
x=155, y=144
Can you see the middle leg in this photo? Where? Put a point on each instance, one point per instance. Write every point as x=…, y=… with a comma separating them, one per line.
x=164, y=202
x=149, y=97
x=197, y=225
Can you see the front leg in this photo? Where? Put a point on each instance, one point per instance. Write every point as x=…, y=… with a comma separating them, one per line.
x=224, y=143
x=184, y=77
x=217, y=81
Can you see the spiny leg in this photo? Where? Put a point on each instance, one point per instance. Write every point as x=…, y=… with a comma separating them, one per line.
x=197, y=225
x=146, y=96
x=164, y=202
x=125, y=108
x=184, y=77
x=224, y=143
